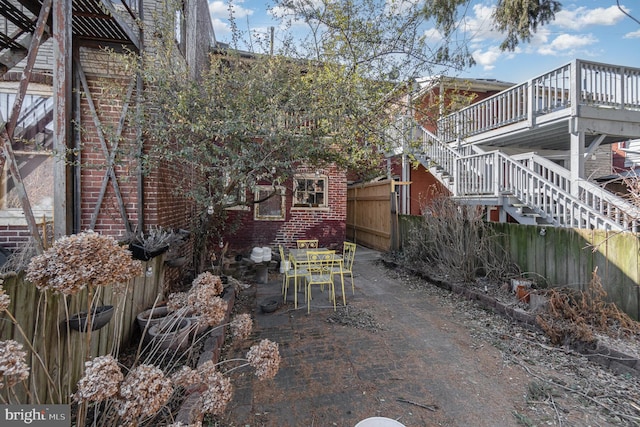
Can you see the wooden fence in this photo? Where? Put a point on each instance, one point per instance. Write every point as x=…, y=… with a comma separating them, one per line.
x=557, y=257
x=370, y=218
x=60, y=353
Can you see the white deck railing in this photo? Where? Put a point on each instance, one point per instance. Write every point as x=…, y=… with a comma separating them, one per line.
x=579, y=82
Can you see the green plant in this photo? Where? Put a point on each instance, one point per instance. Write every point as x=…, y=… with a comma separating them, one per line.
x=155, y=238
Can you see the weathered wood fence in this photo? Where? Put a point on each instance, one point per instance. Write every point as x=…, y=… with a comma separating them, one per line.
x=60, y=353
x=369, y=214
x=568, y=257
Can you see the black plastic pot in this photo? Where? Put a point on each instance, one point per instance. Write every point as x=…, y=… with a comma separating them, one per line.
x=100, y=316
x=269, y=305
x=139, y=252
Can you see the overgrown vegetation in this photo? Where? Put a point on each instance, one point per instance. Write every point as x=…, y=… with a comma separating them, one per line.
x=575, y=316
x=455, y=241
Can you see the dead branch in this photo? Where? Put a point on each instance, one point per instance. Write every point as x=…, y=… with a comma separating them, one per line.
x=432, y=408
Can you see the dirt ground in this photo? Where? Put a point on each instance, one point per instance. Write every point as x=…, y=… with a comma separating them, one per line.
x=408, y=350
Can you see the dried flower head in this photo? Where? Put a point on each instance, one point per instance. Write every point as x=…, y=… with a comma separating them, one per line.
x=203, y=301
x=177, y=300
x=218, y=394
x=101, y=380
x=207, y=369
x=186, y=377
x=265, y=358
x=4, y=300
x=13, y=367
x=80, y=260
x=143, y=392
x=241, y=326
x=207, y=279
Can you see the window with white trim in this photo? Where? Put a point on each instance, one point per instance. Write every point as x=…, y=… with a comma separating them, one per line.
x=272, y=206
x=310, y=191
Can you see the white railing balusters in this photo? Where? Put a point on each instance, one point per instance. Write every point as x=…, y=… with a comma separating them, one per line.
x=541, y=184
x=535, y=181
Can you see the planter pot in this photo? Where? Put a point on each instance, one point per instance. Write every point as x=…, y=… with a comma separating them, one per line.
x=171, y=335
x=196, y=327
x=100, y=316
x=153, y=316
x=139, y=252
x=269, y=305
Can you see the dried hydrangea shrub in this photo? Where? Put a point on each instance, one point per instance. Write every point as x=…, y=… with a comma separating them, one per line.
x=186, y=377
x=241, y=326
x=143, y=392
x=218, y=394
x=206, y=368
x=5, y=301
x=13, y=368
x=80, y=260
x=176, y=301
x=207, y=279
x=101, y=380
x=205, y=302
x=265, y=358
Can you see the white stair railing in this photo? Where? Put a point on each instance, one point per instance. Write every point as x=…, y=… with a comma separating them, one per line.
x=534, y=181
x=625, y=214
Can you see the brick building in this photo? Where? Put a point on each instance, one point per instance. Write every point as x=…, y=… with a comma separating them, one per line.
x=83, y=171
x=311, y=205
x=73, y=147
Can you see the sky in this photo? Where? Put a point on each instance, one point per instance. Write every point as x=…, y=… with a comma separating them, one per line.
x=592, y=30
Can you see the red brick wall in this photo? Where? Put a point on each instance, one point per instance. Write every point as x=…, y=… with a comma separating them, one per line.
x=327, y=225
x=163, y=205
x=14, y=236
x=93, y=162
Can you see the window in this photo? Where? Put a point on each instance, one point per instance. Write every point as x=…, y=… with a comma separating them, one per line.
x=310, y=191
x=272, y=207
x=237, y=198
x=33, y=141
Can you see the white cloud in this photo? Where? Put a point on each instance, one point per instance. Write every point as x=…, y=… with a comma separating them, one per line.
x=565, y=43
x=432, y=35
x=633, y=35
x=220, y=28
x=488, y=58
x=581, y=17
x=220, y=10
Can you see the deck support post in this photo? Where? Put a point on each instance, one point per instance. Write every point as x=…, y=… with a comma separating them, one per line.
x=576, y=159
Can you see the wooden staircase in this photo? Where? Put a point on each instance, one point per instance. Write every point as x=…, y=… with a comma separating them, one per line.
x=528, y=187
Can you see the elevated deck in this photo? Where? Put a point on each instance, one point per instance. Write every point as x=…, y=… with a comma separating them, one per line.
x=600, y=100
x=523, y=149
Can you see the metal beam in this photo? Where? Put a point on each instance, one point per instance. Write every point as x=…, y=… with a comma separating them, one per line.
x=133, y=35
x=109, y=157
